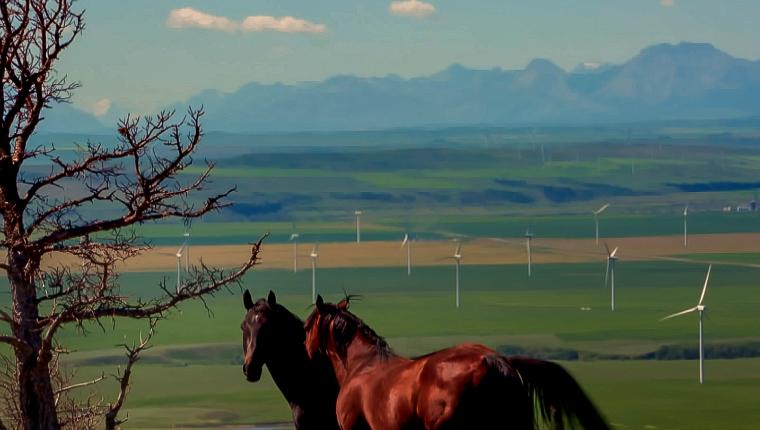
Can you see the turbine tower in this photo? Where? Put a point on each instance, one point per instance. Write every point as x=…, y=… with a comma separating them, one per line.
x=314, y=254
x=408, y=243
x=610, y=272
x=294, y=239
x=187, y=251
x=596, y=220
x=358, y=226
x=528, y=239
x=685, y=232
x=458, y=259
x=700, y=307
x=180, y=251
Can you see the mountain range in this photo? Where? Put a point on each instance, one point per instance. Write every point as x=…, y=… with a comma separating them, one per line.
x=663, y=82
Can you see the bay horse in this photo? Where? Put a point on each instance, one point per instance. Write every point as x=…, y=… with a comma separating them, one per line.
x=274, y=336
x=468, y=386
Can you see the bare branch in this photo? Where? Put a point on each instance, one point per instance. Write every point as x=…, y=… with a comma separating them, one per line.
x=158, y=153
x=133, y=354
x=16, y=343
x=206, y=281
x=80, y=385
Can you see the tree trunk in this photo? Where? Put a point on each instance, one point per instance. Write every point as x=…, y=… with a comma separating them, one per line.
x=36, y=396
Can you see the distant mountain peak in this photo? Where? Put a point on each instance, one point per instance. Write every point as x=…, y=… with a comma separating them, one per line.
x=543, y=66
x=683, y=49
x=591, y=67
x=454, y=71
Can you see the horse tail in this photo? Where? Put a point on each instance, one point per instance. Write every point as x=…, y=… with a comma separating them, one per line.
x=559, y=400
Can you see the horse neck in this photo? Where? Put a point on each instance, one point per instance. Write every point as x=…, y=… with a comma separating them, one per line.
x=360, y=354
x=301, y=380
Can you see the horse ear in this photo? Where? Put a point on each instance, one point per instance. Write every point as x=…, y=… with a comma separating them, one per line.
x=320, y=303
x=343, y=304
x=247, y=300
x=271, y=299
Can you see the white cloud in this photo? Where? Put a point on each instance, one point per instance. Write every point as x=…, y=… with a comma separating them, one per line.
x=286, y=24
x=101, y=107
x=191, y=18
x=413, y=8
x=187, y=17
x=667, y=3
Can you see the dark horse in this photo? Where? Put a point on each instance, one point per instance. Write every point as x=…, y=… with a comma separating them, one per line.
x=465, y=387
x=272, y=335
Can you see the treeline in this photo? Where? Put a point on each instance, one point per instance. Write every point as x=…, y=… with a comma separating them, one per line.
x=664, y=352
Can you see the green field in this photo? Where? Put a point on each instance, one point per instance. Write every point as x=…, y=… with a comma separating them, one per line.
x=490, y=182
x=193, y=375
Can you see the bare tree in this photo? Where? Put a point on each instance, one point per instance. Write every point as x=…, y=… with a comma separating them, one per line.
x=57, y=211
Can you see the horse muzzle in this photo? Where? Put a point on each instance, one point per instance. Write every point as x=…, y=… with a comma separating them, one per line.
x=252, y=372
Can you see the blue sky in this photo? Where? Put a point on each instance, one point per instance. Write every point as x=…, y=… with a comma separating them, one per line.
x=141, y=54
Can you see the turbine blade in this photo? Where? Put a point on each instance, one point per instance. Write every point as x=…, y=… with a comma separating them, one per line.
x=680, y=313
x=406, y=239
x=686, y=211
x=601, y=209
x=607, y=248
x=614, y=251
x=459, y=250
x=704, y=289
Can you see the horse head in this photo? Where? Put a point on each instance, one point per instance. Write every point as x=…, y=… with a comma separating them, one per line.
x=332, y=328
x=259, y=333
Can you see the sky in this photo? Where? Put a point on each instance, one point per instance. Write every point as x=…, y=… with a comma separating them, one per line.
x=139, y=55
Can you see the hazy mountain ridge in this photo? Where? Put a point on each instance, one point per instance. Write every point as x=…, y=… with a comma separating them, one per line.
x=662, y=82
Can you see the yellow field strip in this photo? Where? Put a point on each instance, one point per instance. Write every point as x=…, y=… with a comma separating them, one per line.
x=434, y=253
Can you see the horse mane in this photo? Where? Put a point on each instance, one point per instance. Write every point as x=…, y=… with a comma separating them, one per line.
x=345, y=327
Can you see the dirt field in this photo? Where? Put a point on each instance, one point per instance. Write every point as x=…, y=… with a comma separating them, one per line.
x=480, y=251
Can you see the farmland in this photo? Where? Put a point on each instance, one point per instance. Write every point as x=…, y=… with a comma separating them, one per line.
x=482, y=188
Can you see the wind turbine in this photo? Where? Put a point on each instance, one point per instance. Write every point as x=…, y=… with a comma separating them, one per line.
x=701, y=308
x=358, y=226
x=408, y=244
x=180, y=251
x=610, y=272
x=685, y=232
x=596, y=220
x=528, y=239
x=187, y=251
x=458, y=259
x=294, y=238
x=314, y=254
